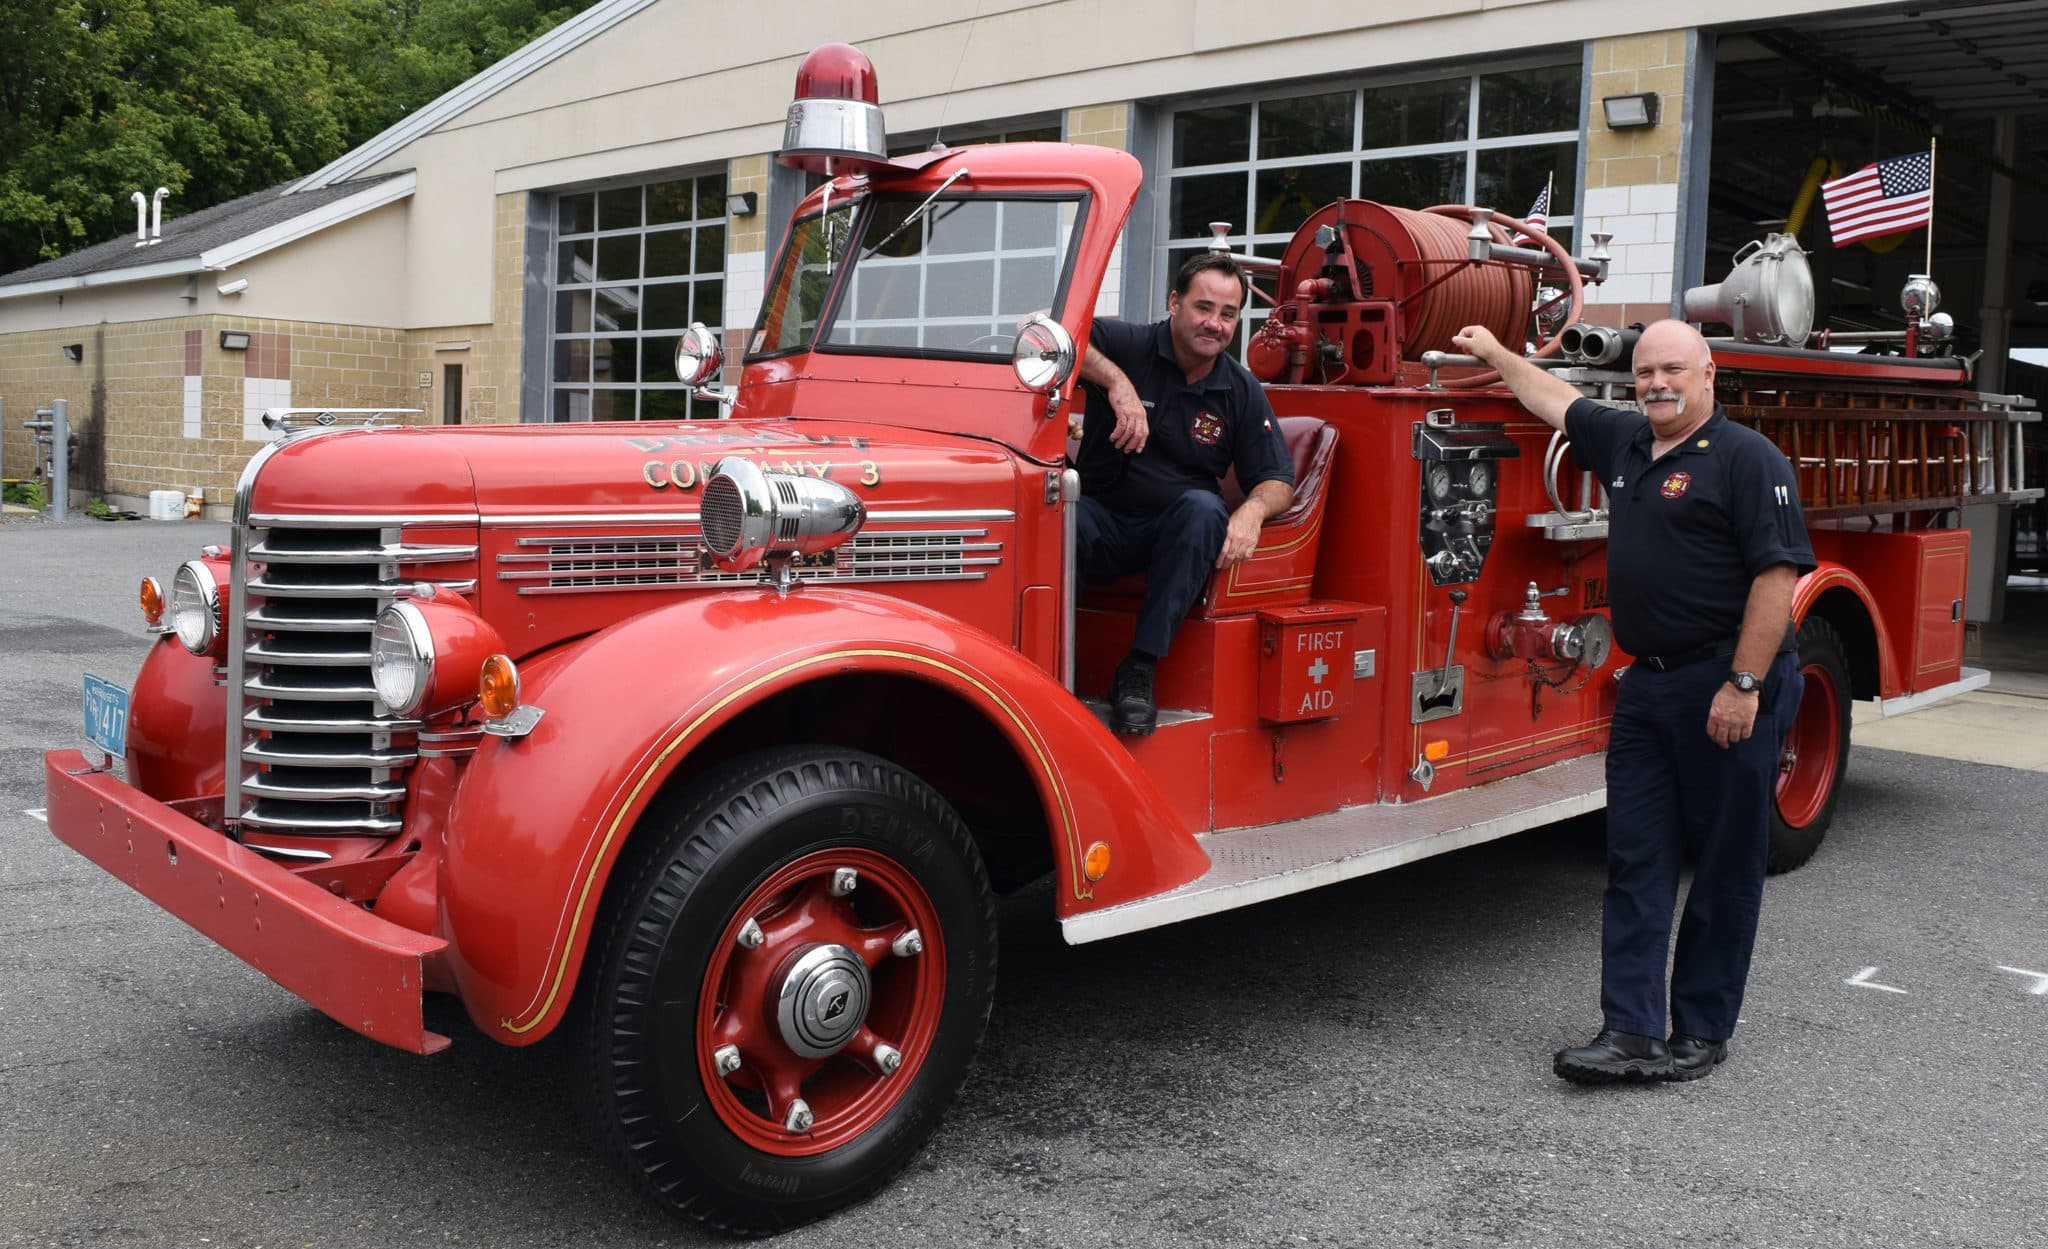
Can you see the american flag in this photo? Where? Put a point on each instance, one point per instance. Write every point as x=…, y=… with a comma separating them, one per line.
x=1886, y=197
x=1538, y=217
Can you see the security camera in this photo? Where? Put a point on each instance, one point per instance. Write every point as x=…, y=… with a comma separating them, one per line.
x=235, y=287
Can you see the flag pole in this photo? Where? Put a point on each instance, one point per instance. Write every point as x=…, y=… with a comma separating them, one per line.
x=1933, y=143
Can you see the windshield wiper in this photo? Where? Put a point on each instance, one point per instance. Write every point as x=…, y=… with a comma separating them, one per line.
x=916, y=214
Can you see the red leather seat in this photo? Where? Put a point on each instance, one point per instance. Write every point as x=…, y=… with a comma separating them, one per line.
x=1283, y=565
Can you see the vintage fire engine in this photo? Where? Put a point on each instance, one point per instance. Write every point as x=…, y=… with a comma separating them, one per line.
x=713, y=742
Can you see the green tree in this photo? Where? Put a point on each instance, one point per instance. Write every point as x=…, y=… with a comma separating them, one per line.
x=213, y=98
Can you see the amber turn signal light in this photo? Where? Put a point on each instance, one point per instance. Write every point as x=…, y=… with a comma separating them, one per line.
x=497, y=687
x=1096, y=863
x=152, y=596
x=1436, y=750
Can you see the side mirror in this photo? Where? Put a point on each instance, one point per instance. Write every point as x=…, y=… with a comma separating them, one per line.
x=697, y=356
x=1044, y=354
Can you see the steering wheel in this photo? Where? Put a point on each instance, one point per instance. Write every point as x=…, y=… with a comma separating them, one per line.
x=993, y=343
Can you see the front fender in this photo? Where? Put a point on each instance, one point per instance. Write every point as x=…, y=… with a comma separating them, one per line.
x=538, y=823
x=1829, y=577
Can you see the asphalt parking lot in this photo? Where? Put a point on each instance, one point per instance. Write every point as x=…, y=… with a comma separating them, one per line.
x=1363, y=1066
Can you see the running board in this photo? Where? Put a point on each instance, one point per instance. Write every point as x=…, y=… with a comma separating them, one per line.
x=1971, y=679
x=1253, y=865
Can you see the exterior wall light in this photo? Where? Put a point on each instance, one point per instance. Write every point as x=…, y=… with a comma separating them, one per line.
x=74, y=352
x=1629, y=112
x=741, y=203
x=234, y=340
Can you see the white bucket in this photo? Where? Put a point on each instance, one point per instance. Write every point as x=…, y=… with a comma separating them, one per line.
x=167, y=505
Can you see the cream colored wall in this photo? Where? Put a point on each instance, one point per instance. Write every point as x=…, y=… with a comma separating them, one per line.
x=680, y=85
x=353, y=273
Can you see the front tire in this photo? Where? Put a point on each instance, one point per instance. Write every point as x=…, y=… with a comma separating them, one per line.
x=1816, y=751
x=771, y=1038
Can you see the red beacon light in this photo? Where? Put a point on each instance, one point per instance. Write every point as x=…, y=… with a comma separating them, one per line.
x=835, y=122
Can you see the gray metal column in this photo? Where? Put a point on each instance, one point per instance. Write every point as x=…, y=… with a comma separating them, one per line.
x=1991, y=526
x=60, y=459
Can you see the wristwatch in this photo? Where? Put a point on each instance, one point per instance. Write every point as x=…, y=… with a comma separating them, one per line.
x=1745, y=681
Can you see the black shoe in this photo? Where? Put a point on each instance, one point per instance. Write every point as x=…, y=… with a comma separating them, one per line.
x=1614, y=1057
x=1131, y=709
x=1693, y=1058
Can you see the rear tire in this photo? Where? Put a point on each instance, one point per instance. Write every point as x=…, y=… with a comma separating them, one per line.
x=1816, y=751
x=731, y=927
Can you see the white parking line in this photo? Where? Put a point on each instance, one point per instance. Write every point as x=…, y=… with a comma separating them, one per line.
x=1862, y=980
x=41, y=813
x=2040, y=985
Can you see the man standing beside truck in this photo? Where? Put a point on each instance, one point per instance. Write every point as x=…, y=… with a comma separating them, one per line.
x=1705, y=546
x=1170, y=411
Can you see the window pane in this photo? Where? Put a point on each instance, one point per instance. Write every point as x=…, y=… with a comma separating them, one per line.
x=1031, y=224
x=1027, y=286
x=1211, y=136
x=664, y=405
x=1510, y=178
x=618, y=308
x=962, y=288
x=572, y=312
x=614, y=359
x=1529, y=101
x=573, y=261
x=708, y=304
x=1200, y=200
x=572, y=360
x=618, y=259
x=1288, y=196
x=666, y=306
x=658, y=359
x=577, y=214
x=1034, y=134
x=668, y=253
x=1417, y=112
x=1414, y=181
x=619, y=209
x=572, y=405
x=962, y=227
x=611, y=405
x=711, y=196
x=710, y=249
x=1313, y=125
x=669, y=202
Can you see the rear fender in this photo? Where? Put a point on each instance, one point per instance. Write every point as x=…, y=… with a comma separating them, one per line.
x=1846, y=601
x=539, y=822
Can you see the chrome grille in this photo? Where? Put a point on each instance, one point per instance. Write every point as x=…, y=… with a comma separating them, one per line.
x=566, y=564
x=316, y=754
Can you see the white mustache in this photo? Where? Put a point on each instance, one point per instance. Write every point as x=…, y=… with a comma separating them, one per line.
x=1666, y=396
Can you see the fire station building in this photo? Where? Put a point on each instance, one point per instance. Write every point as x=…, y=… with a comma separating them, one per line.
x=528, y=246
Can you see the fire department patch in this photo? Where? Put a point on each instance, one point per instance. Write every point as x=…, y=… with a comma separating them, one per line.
x=1206, y=428
x=1676, y=484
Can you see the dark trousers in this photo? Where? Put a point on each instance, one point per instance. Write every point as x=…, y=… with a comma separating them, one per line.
x=1175, y=548
x=1670, y=789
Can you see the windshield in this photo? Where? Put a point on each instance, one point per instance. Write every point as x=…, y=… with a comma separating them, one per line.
x=952, y=280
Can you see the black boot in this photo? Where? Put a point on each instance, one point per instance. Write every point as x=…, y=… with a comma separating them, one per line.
x=1693, y=1058
x=1131, y=709
x=1613, y=1057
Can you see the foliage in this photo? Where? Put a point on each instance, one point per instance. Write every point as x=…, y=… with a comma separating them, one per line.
x=28, y=494
x=213, y=98
x=98, y=507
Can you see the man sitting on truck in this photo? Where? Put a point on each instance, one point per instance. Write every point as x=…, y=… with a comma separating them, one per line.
x=1170, y=412
x=1706, y=544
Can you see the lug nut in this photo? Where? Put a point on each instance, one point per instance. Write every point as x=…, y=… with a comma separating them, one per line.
x=909, y=943
x=843, y=881
x=888, y=1058
x=726, y=1058
x=799, y=1117
x=751, y=935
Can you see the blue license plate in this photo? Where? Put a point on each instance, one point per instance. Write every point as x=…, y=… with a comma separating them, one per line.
x=106, y=716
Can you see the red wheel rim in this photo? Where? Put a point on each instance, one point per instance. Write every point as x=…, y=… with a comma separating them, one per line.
x=1806, y=769
x=798, y=913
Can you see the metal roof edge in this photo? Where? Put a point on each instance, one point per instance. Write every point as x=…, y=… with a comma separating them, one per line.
x=105, y=277
x=292, y=229
x=558, y=42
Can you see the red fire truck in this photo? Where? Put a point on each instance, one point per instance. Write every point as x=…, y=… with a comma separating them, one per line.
x=713, y=742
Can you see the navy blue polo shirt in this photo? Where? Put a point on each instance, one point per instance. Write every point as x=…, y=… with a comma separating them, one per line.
x=1689, y=532
x=1199, y=431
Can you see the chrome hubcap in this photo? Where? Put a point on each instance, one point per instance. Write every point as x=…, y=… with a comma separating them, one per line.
x=824, y=1000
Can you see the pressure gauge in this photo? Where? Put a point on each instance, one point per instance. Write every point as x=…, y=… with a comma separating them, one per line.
x=1438, y=479
x=1479, y=478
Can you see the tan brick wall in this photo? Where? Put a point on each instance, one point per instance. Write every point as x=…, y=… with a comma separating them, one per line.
x=748, y=234
x=1625, y=67
x=1104, y=125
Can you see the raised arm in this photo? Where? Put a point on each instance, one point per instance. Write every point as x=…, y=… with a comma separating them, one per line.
x=1132, y=429
x=1540, y=391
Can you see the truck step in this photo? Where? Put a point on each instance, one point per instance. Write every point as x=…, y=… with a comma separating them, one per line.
x=1252, y=865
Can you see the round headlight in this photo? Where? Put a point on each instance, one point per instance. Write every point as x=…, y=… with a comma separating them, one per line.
x=402, y=658
x=195, y=606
